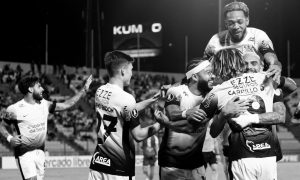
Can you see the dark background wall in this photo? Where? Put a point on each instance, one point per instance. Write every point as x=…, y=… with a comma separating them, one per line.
x=22, y=32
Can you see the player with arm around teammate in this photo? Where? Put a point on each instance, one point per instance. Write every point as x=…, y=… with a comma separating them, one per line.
x=118, y=122
x=252, y=145
x=29, y=117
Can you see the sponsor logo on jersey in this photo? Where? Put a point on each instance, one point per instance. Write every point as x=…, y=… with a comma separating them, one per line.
x=251, y=39
x=134, y=113
x=104, y=108
x=207, y=101
x=170, y=97
x=100, y=160
x=256, y=147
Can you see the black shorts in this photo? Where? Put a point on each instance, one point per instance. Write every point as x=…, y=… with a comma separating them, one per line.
x=209, y=157
x=149, y=161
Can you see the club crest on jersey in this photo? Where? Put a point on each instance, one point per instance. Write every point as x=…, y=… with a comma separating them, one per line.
x=100, y=160
x=256, y=147
x=134, y=113
x=170, y=97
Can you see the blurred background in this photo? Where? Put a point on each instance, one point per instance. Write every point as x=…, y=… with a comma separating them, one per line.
x=63, y=41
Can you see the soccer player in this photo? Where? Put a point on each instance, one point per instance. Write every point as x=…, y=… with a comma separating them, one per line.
x=252, y=146
x=29, y=117
x=239, y=35
x=118, y=122
x=180, y=154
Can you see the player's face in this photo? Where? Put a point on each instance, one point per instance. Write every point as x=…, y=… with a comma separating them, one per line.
x=37, y=91
x=206, y=79
x=236, y=22
x=253, y=64
x=127, y=74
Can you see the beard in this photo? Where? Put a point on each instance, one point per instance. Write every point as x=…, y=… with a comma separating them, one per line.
x=37, y=96
x=203, y=86
x=251, y=70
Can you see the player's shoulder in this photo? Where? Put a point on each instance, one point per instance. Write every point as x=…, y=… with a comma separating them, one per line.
x=255, y=31
x=17, y=105
x=177, y=90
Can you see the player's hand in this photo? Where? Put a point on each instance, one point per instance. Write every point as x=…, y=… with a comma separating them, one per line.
x=161, y=94
x=234, y=107
x=196, y=115
x=88, y=83
x=16, y=141
x=161, y=117
x=245, y=120
x=275, y=71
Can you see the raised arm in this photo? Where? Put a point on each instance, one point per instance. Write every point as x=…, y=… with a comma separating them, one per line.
x=72, y=101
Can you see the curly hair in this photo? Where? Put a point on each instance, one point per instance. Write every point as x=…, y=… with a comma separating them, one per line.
x=236, y=6
x=228, y=63
x=26, y=82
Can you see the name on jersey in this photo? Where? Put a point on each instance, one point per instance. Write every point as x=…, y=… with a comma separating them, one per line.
x=256, y=147
x=100, y=160
x=103, y=107
x=243, y=86
x=103, y=94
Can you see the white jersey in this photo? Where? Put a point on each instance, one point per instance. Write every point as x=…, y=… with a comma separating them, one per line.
x=254, y=40
x=115, y=109
x=255, y=140
x=31, y=124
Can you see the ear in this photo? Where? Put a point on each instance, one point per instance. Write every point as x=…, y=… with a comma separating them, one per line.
x=194, y=77
x=122, y=72
x=247, y=21
x=30, y=89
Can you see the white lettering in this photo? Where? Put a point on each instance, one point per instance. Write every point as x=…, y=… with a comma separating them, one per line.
x=156, y=27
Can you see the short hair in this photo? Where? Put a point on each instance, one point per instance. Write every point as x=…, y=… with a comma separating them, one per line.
x=114, y=60
x=236, y=6
x=26, y=82
x=227, y=63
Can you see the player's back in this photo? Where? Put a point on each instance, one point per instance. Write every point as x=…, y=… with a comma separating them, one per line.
x=115, y=150
x=255, y=140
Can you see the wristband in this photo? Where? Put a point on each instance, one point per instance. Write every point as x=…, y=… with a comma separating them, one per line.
x=183, y=114
x=9, y=137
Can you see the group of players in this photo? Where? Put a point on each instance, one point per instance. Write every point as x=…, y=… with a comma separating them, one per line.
x=228, y=90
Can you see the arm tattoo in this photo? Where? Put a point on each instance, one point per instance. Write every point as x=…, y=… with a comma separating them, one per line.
x=70, y=102
x=271, y=58
x=275, y=117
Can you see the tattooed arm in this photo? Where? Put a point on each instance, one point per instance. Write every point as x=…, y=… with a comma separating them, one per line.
x=72, y=101
x=275, y=117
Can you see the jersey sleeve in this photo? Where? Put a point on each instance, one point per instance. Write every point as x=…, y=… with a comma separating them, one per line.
x=173, y=97
x=210, y=104
x=211, y=46
x=131, y=113
x=11, y=110
x=265, y=44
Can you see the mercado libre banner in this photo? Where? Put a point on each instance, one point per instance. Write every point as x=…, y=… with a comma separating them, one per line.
x=9, y=162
